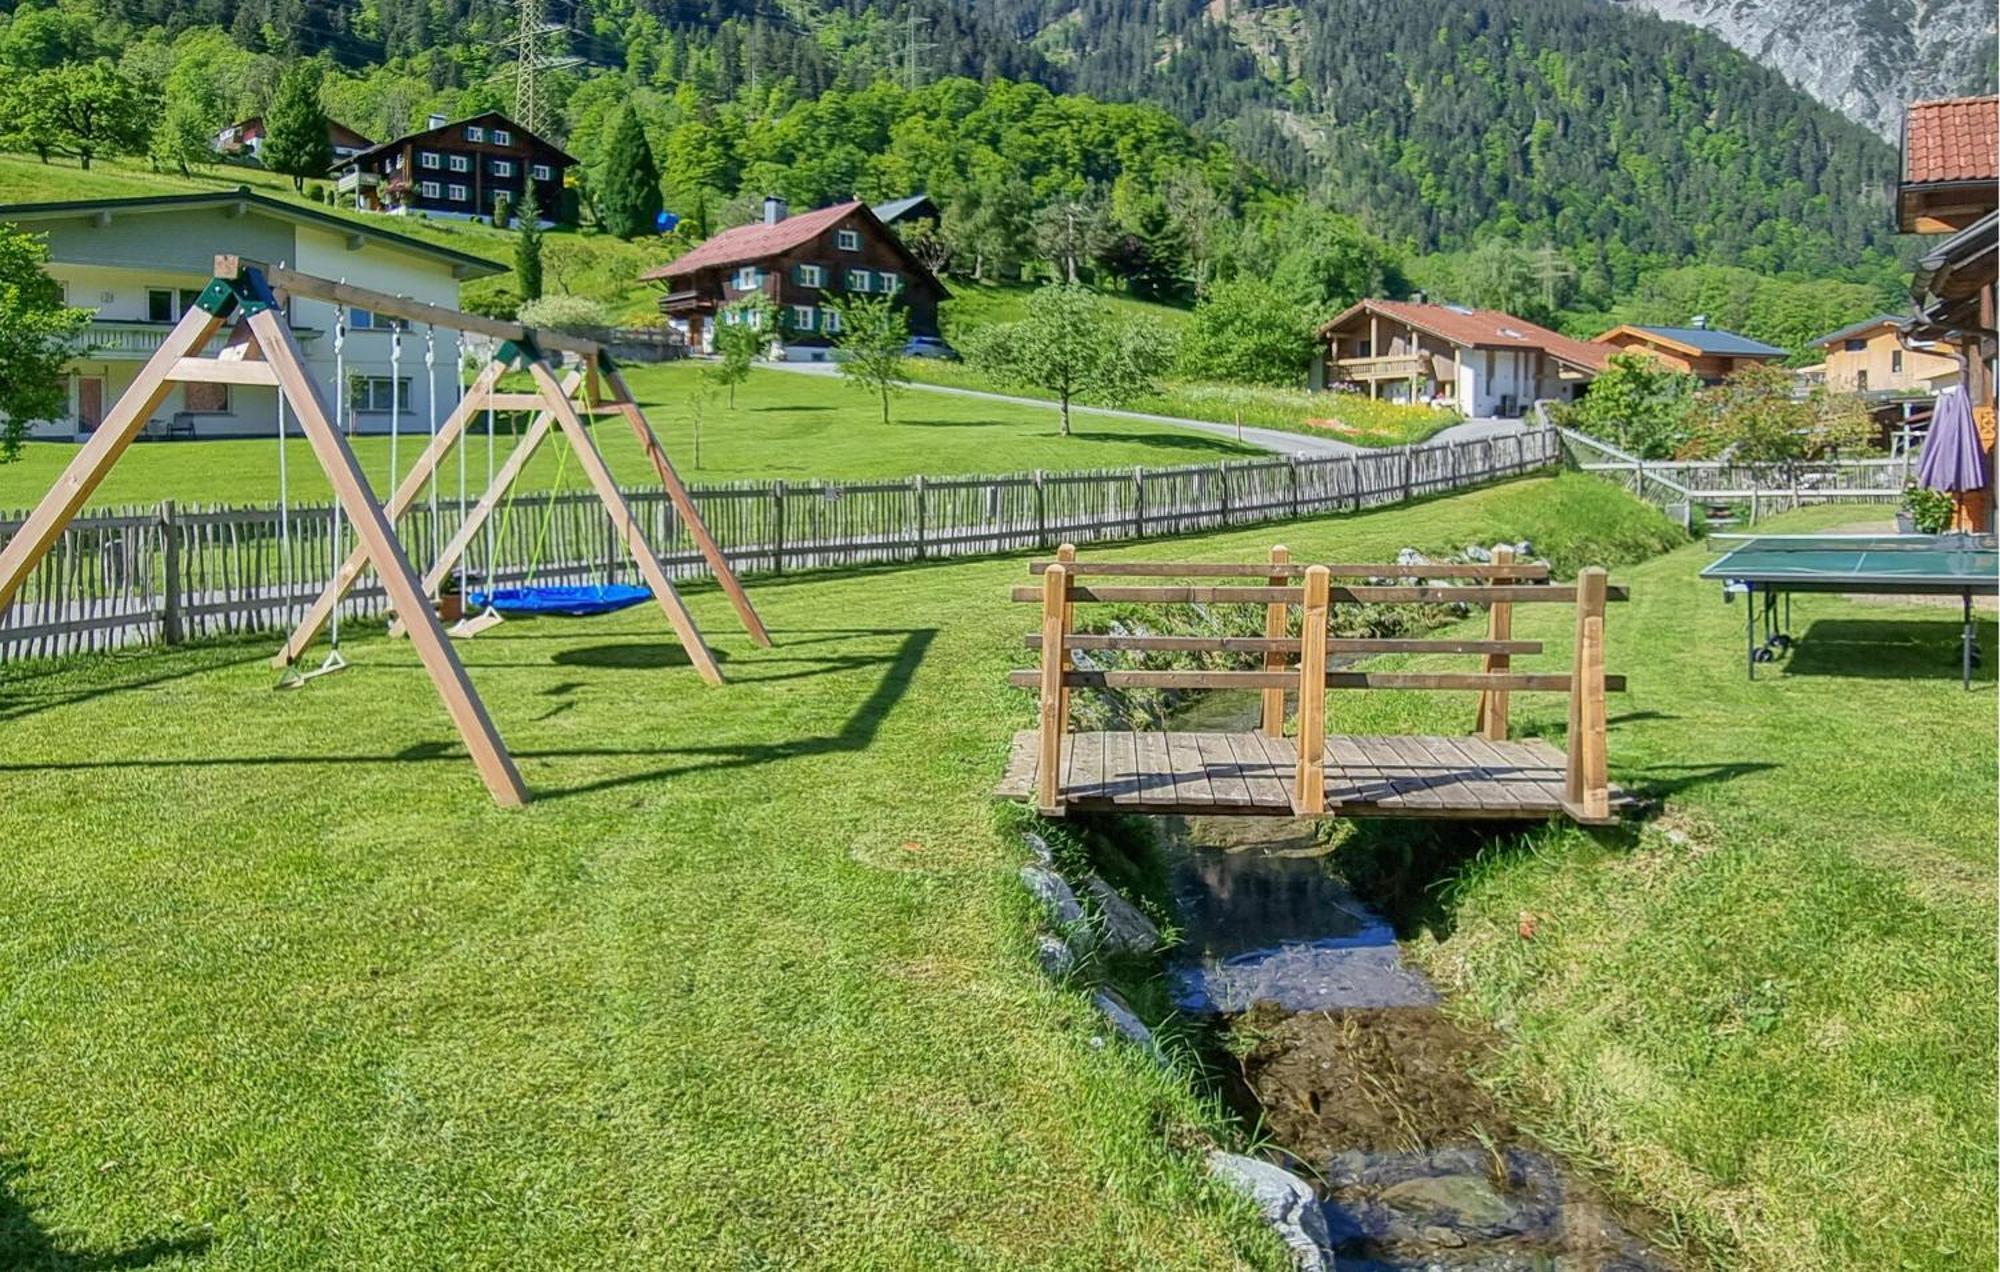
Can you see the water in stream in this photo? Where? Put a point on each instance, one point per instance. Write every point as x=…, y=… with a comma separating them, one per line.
x=1351, y=1067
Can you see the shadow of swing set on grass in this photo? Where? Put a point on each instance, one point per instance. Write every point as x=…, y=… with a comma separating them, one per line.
x=261, y=350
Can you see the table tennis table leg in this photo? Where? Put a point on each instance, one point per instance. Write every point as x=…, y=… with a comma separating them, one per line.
x=1967, y=642
x=1750, y=630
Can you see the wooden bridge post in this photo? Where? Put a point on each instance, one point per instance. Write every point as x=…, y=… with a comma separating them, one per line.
x=1493, y=703
x=1586, y=786
x=1276, y=622
x=1066, y=557
x=1055, y=696
x=1310, y=794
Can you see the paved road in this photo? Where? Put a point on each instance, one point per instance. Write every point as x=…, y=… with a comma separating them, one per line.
x=1269, y=439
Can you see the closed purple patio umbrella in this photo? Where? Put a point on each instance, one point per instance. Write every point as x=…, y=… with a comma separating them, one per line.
x=1952, y=458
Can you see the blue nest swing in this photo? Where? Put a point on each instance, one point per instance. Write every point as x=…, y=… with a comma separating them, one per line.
x=565, y=602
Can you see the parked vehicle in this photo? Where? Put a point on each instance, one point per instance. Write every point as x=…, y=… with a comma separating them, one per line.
x=929, y=347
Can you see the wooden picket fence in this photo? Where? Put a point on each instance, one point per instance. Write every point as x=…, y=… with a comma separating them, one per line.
x=174, y=573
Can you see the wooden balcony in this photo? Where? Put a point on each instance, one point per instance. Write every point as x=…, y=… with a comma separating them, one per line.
x=681, y=303
x=1395, y=366
x=135, y=340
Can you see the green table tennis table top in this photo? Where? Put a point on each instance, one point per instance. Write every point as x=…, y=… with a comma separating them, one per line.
x=1862, y=563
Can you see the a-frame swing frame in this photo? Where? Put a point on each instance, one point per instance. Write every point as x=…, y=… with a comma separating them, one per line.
x=262, y=351
x=555, y=406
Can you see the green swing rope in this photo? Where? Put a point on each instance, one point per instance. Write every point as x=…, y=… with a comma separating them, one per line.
x=547, y=517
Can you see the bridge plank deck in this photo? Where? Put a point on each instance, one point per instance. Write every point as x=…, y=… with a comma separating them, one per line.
x=1250, y=774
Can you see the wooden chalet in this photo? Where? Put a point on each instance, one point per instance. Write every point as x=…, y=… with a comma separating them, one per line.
x=1481, y=362
x=1951, y=185
x=458, y=168
x=246, y=136
x=797, y=263
x=1708, y=353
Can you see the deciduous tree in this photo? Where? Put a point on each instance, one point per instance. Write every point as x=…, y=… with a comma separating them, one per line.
x=874, y=330
x=37, y=337
x=1072, y=345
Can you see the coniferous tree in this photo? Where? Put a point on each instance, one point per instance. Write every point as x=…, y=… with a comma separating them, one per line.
x=528, y=247
x=629, y=205
x=297, y=137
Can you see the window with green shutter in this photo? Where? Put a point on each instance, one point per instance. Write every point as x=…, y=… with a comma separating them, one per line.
x=857, y=280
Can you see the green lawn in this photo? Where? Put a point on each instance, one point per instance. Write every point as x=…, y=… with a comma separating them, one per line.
x=783, y=425
x=751, y=982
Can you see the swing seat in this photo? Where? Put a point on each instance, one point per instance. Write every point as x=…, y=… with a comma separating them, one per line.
x=566, y=602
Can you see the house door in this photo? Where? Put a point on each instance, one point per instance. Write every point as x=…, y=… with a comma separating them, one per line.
x=89, y=403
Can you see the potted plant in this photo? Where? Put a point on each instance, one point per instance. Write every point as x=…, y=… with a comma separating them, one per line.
x=451, y=598
x=1924, y=511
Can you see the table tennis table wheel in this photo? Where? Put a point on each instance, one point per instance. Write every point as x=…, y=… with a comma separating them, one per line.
x=1781, y=641
x=1764, y=655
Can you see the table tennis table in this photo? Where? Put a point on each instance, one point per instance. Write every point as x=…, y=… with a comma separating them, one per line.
x=1766, y=567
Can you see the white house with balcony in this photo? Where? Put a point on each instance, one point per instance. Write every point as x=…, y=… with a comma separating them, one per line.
x=1479, y=362
x=140, y=262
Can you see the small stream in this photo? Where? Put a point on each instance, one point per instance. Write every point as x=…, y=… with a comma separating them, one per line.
x=1336, y=1045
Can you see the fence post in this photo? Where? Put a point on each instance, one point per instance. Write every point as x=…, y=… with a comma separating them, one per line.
x=1222, y=476
x=1138, y=501
x=1409, y=471
x=1585, y=786
x=1054, y=714
x=1309, y=795
x=1492, y=720
x=919, y=488
x=1066, y=557
x=1292, y=464
x=172, y=626
x=1354, y=479
x=778, y=527
x=1041, y=512
x=1276, y=615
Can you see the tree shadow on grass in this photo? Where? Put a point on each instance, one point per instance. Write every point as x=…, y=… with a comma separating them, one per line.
x=855, y=734
x=1890, y=648
x=1169, y=441
x=26, y=1245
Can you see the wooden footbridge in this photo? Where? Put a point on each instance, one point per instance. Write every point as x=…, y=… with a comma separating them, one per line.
x=1481, y=775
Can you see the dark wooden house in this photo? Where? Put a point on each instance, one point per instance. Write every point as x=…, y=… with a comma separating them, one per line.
x=457, y=168
x=797, y=263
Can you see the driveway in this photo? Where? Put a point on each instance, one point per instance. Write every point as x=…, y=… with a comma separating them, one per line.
x=1270, y=439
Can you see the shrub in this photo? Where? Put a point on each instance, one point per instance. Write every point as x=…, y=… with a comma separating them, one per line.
x=503, y=211
x=577, y=315
x=1247, y=331
x=1930, y=510
x=316, y=192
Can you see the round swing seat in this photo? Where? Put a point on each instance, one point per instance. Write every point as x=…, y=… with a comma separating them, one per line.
x=565, y=602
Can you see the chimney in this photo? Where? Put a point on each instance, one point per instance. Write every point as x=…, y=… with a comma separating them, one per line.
x=1699, y=322
x=1418, y=298
x=436, y=121
x=774, y=209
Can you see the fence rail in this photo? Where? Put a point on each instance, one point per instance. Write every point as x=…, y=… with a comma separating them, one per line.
x=172, y=573
x=1682, y=486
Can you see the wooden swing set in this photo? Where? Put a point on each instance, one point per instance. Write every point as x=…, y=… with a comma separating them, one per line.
x=262, y=351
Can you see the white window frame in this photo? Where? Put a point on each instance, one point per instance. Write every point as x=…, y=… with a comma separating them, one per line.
x=366, y=404
x=812, y=276
x=831, y=324
x=427, y=159
x=746, y=278
x=540, y=172
x=501, y=137
x=460, y=163
x=503, y=167
x=888, y=283
x=430, y=190
x=473, y=132
x=802, y=317
x=458, y=193
x=847, y=240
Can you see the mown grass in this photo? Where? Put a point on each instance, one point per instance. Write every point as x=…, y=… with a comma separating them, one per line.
x=1343, y=417
x=1777, y=1022
x=750, y=983
x=783, y=425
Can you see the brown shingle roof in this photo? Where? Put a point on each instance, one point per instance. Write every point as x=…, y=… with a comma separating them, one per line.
x=1953, y=139
x=1482, y=329
x=754, y=241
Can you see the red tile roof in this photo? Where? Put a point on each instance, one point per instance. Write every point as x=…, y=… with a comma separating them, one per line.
x=1483, y=329
x=1954, y=139
x=754, y=241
